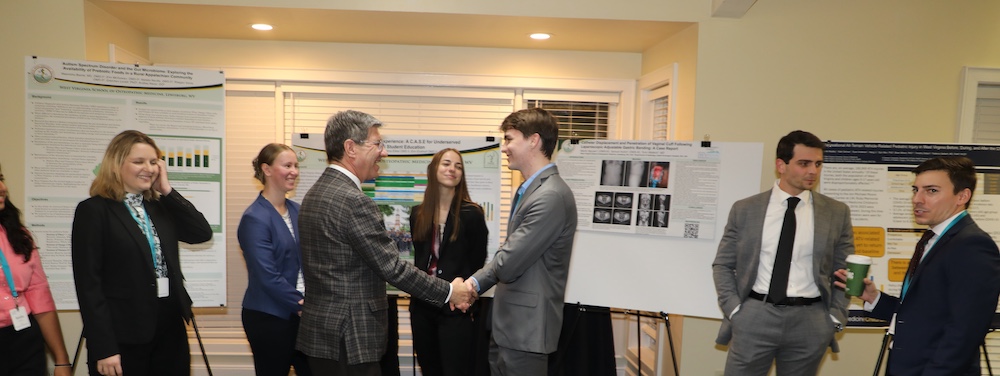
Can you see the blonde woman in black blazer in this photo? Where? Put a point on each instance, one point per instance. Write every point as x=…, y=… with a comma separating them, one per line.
x=448, y=220
x=127, y=269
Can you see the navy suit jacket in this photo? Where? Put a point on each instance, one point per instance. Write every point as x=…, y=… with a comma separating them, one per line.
x=273, y=258
x=948, y=307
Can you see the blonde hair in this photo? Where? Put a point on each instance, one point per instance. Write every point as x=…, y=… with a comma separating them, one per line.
x=108, y=182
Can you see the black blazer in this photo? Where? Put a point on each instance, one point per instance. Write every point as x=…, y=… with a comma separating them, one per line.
x=113, y=267
x=948, y=307
x=459, y=258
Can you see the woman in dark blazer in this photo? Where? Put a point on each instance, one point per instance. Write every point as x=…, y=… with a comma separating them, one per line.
x=126, y=265
x=449, y=239
x=269, y=236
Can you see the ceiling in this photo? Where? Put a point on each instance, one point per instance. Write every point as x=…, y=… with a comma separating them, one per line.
x=376, y=27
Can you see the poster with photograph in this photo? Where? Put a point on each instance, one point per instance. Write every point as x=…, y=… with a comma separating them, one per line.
x=403, y=178
x=644, y=187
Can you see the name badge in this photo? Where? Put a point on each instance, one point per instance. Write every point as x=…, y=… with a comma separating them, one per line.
x=162, y=287
x=19, y=316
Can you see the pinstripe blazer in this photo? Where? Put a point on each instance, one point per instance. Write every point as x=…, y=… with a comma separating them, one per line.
x=347, y=258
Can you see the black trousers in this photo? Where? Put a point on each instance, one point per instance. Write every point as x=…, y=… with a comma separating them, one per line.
x=167, y=355
x=23, y=351
x=272, y=340
x=330, y=367
x=445, y=341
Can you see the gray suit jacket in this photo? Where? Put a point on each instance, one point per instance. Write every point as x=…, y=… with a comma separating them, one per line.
x=347, y=257
x=531, y=267
x=735, y=265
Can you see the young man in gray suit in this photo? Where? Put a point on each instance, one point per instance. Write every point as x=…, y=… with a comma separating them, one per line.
x=774, y=269
x=530, y=268
x=347, y=257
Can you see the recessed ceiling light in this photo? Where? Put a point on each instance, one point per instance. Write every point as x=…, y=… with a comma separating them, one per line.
x=540, y=36
x=262, y=27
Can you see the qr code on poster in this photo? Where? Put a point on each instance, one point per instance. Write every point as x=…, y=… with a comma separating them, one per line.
x=691, y=230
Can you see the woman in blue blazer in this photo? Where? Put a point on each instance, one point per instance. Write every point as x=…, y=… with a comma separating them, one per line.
x=269, y=236
x=449, y=238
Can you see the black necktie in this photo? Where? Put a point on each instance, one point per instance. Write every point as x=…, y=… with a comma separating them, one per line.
x=918, y=253
x=783, y=258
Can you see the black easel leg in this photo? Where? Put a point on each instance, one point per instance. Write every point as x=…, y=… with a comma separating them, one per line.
x=201, y=345
x=670, y=338
x=881, y=352
x=76, y=358
x=638, y=343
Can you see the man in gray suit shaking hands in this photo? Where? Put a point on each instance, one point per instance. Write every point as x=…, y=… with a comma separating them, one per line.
x=347, y=257
x=530, y=268
x=774, y=269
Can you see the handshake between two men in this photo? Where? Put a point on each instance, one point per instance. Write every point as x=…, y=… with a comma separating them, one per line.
x=463, y=294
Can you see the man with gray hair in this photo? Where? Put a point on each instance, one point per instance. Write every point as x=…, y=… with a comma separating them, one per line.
x=347, y=257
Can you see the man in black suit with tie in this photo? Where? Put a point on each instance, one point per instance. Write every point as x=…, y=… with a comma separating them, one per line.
x=950, y=290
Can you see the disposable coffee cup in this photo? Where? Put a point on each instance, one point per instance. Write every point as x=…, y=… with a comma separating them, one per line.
x=857, y=271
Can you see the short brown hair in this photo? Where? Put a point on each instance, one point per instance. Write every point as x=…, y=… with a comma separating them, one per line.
x=535, y=120
x=108, y=182
x=961, y=171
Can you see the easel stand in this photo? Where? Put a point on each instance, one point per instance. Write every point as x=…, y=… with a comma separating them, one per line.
x=201, y=345
x=638, y=330
x=881, y=352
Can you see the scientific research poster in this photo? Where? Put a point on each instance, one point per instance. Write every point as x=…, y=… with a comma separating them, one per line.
x=659, y=188
x=403, y=179
x=72, y=111
x=875, y=181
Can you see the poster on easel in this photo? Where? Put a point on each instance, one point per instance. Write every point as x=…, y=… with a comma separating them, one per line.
x=875, y=180
x=72, y=111
x=658, y=188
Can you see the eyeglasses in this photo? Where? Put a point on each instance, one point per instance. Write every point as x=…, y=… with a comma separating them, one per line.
x=377, y=144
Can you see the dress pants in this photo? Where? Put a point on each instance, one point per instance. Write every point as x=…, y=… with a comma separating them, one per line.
x=168, y=354
x=510, y=362
x=272, y=340
x=23, y=351
x=444, y=341
x=794, y=338
x=330, y=367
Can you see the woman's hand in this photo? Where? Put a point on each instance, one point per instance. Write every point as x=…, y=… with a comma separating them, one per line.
x=110, y=366
x=162, y=184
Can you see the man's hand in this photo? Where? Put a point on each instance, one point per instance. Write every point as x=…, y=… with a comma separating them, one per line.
x=110, y=366
x=461, y=295
x=868, y=295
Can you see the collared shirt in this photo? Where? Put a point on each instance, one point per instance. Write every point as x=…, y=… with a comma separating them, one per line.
x=349, y=174
x=938, y=230
x=29, y=279
x=801, y=281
